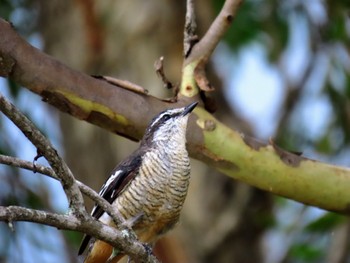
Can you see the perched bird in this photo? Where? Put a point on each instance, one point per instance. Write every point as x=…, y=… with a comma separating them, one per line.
x=150, y=186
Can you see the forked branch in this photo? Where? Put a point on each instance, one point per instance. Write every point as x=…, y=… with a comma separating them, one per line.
x=38, y=168
x=196, y=58
x=45, y=148
x=123, y=238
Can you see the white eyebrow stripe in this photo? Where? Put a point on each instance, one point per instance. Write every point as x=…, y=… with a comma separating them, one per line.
x=158, y=118
x=167, y=112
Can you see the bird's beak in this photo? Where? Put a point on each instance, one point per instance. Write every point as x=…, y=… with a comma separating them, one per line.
x=189, y=108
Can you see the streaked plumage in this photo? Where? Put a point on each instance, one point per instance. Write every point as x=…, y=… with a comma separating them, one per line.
x=151, y=184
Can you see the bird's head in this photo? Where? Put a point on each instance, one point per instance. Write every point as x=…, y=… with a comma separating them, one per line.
x=169, y=125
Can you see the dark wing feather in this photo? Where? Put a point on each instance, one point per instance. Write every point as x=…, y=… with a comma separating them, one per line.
x=115, y=184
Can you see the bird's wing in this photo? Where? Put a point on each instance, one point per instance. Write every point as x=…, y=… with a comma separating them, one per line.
x=115, y=184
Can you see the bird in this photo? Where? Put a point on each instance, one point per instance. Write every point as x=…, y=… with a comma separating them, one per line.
x=149, y=187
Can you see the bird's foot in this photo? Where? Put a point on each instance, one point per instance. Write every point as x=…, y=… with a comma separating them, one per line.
x=148, y=248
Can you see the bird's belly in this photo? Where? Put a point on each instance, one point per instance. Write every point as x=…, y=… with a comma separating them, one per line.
x=155, y=209
x=156, y=195
x=150, y=230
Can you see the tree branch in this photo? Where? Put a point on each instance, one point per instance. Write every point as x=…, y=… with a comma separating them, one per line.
x=75, y=93
x=107, y=207
x=196, y=60
x=45, y=148
x=61, y=172
x=120, y=239
x=18, y=213
x=205, y=47
x=262, y=165
x=36, y=168
x=190, y=37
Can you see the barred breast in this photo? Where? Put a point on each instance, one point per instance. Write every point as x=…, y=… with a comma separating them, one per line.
x=157, y=193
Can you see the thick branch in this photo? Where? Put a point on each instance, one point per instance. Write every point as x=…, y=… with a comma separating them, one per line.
x=73, y=92
x=262, y=165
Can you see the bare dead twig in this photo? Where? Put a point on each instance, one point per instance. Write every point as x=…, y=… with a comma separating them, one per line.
x=159, y=66
x=123, y=84
x=190, y=37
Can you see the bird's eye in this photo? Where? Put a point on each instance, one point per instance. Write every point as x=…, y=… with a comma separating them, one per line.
x=166, y=117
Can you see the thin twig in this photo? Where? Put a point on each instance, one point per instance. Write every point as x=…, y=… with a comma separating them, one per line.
x=123, y=84
x=159, y=66
x=18, y=213
x=190, y=37
x=16, y=162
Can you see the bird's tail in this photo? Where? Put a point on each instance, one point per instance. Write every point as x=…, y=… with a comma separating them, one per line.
x=101, y=253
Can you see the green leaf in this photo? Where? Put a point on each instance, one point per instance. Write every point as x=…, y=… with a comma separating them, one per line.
x=6, y=9
x=72, y=237
x=325, y=223
x=305, y=252
x=324, y=145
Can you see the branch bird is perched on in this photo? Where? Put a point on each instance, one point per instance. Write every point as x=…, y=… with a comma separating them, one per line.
x=150, y=186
